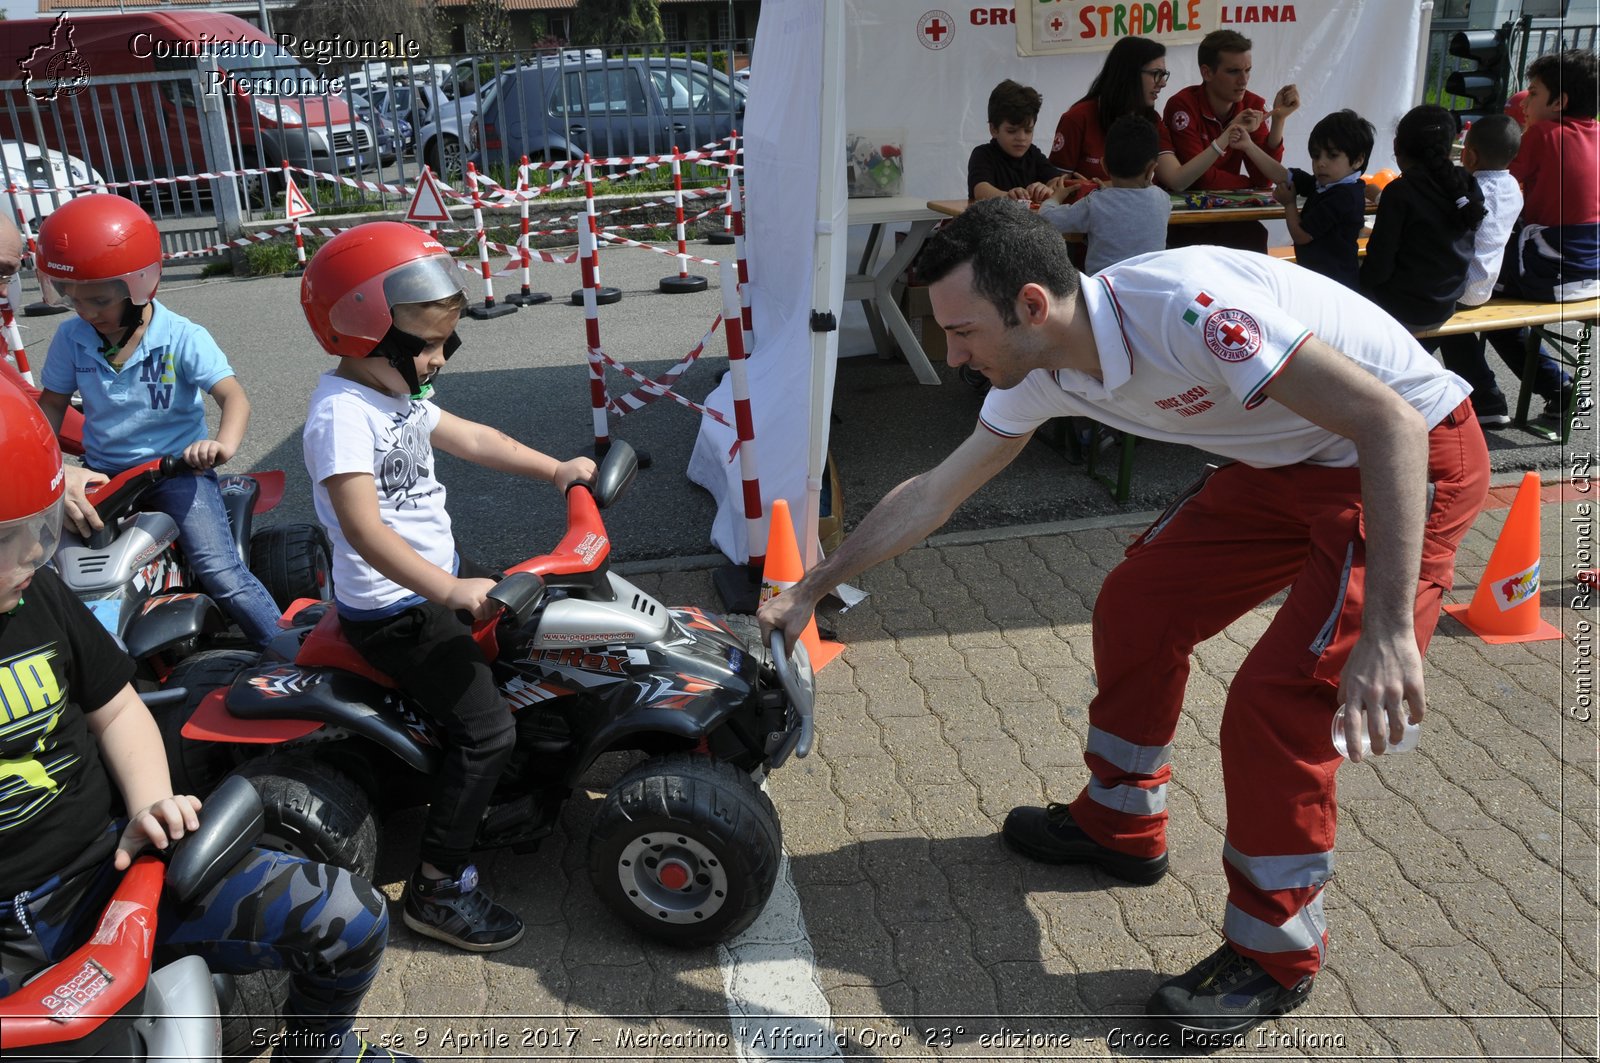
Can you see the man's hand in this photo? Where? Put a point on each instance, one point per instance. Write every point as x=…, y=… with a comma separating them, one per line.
x=159, y=825
x=1247, y=119
x=788, y=612
x=471, y=596
x=1285, y=103
x=574, y=470
x=207, y=454
x=80, y=514
x=1383, y=676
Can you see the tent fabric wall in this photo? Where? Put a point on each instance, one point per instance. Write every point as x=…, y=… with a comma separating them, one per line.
x=932, y=95
x=785, y=241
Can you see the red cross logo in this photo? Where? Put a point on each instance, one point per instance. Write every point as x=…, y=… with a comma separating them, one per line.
x=1233, y=335
x=935, y=30
x=1056, y=23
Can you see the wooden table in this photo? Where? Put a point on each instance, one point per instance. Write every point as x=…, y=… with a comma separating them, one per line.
x=878, y=287
x=954, y=207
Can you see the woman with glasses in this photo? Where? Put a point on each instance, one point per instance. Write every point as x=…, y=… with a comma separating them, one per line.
x=1130, y=82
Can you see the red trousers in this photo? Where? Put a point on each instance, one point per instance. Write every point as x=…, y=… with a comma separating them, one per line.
x=1245, y=535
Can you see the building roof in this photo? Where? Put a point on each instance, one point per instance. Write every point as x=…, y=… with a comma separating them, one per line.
x=50, y=6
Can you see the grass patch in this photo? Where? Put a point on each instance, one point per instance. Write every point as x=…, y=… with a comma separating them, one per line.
x=220, y=268
x=269, y=259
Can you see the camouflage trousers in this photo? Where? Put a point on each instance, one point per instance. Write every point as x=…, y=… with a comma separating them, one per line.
x=323, y=925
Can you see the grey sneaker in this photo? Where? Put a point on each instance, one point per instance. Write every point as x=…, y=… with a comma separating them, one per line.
x=1224, y=994
x=456, y=911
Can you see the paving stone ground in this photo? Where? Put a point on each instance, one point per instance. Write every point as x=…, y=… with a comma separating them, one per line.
x=1462, y=915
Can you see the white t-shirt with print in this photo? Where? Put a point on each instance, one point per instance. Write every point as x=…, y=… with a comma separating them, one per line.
x=1189, y=338
x=353, y=428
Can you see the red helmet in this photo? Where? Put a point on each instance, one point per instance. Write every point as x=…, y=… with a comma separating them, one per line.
x=100, y=238
x=34, y=484
x=355, y=278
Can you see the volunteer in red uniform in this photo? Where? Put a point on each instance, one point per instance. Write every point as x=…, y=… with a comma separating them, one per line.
x=1197, y=118
x=1358, y=467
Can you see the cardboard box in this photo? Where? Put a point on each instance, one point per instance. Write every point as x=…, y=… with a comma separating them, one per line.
x=919, y=315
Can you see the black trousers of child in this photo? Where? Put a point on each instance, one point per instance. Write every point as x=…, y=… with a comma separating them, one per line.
x=429, y=651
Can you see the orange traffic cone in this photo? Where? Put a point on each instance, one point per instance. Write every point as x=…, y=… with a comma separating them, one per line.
x=783, y=570
x=1505, y=607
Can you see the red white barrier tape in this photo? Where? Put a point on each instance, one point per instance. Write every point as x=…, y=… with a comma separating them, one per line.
x=611, y=238
x=249, y=238
x=655, y=387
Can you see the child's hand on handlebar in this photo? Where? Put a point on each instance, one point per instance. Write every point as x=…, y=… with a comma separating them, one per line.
x=79, y=511
x=574, y=470
x=160, y=824
x=471, y=596
x=206, y=454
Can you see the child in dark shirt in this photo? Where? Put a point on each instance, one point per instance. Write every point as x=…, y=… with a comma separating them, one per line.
x=1326, y=230
x=1422, y=238
x=1010, y=164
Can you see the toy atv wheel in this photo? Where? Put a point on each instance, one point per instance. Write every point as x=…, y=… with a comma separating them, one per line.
x=686, y=849
x=315, y=811
x=254, y=1013
x=292, y=561
x=197, y=767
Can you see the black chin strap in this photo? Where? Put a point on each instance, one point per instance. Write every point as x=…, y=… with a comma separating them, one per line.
x=400, y=349
x=132, y=318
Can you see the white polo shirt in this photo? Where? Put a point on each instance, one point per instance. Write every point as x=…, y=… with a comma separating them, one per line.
x=1188, y=339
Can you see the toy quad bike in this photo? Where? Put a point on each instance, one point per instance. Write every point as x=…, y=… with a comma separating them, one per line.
x=132, y=576
x=685, y=847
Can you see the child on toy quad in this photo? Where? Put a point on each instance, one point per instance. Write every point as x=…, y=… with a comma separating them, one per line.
x=384, y=298
x=141, y=370
x=78, y=740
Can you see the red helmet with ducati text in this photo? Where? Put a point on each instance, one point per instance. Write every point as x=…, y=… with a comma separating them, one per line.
x=354, y=279
x=32, y=489
x=99, y=238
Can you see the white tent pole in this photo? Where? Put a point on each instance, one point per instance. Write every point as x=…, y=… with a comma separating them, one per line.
x=830, y=215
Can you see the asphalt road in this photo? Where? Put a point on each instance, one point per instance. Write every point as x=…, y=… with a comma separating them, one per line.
x=525, y=373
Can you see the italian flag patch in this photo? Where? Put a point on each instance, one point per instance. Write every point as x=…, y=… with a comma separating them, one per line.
x=1199, y=307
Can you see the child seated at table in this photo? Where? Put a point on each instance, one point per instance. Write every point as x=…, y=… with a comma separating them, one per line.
x=1422, y=237
x=1129, y=216
x=1327, y=230
x=1490, y=147
x=1011, y=164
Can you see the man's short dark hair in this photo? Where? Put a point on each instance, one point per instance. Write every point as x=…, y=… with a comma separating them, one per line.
x=1218, y=41
x=1014, y=103
x=1575, y=72
x=1009, y=246
x=1132, y=144
x=1495, y=139
x=1346, y=132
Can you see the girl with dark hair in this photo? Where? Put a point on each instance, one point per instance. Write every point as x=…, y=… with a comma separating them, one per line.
x=1422, y=238
x=1130, y=81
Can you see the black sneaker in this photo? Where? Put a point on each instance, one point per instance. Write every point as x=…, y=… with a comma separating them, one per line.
x=1492, y=409
x=1225, y=993
x=1556, y=406
x=1050, y=836
x=457, y=911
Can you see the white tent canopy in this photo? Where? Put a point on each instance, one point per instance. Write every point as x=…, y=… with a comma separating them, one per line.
x=921, y=78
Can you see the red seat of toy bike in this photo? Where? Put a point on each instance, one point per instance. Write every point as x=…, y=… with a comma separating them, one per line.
x=327, y=647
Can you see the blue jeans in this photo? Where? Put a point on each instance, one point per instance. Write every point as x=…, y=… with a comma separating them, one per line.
x=195, y=503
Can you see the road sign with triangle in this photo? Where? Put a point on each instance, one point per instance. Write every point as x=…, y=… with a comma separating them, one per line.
x=428, y=203
x=294, y=204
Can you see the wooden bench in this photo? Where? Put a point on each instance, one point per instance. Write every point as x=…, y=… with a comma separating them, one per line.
x=1541, y=320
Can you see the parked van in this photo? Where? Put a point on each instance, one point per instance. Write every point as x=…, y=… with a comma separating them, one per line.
x=82, y=95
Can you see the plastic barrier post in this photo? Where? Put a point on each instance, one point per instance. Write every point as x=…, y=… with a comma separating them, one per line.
x=724, y=235
x=736, y=185
x=13, y=335
x=684, y=282
x=527, y=296
x=740, y=585
x=602, y=295
x=489, y=308
x=591, y=332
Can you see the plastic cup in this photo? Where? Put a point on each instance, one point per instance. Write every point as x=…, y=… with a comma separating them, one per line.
x=1408, y=739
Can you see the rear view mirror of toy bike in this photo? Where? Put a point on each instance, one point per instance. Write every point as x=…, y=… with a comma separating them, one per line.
x=800, y=684
x=615, y=473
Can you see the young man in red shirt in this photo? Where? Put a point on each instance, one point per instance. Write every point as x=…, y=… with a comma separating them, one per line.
x=1197, y=117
